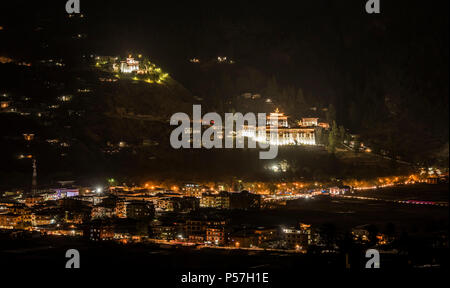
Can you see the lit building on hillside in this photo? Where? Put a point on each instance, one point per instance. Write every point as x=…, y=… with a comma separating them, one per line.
x=285, y=135
x=277, y=119
x=308, y=122
x=324, y=125
x=128, y=66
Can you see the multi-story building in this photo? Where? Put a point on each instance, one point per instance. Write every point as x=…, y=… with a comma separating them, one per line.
x=265, y=235
x=361, y=232
x=196, y=238
x=199, y=226
x=185, y=204
x=194, y=190
x=18, y=209
x=243, y=239
x=226, y=200
x=102, y=212
x=9, y=221
x=218, y=201
x=140, y=210
x=32, y=201
x=134, y=209
x=28, y=218
x=163, y=232
x=164, y=204
x=43, y=219
x=298, y=238
x=177, y=204
x=100, y=230
x=216, y=235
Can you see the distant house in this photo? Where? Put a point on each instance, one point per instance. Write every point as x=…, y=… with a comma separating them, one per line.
x=361, y=232
x=324, y=125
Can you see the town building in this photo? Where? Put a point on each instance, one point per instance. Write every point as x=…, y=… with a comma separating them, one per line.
x=265, y=235
x=198, y=226
x=194, y=190
x=9, y=221
x=219, y=200
x=99, y=230
x=216, y=235
x=243, y=239
x=298, y=238
x=361, y=232
x=134, y=209
x=101, y=211
x=245, y=201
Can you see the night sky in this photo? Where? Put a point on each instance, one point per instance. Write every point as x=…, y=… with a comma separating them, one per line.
x=304, y=42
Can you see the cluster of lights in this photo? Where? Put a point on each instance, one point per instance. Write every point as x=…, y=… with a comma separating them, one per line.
x=143, y=69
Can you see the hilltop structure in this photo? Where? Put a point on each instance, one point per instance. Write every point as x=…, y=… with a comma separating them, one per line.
x=130, y=65
x=303, y=134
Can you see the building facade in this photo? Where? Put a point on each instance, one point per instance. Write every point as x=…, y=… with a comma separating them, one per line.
x=283, y=135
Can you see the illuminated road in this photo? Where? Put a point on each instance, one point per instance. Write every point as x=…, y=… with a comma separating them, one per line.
x=415, y=202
